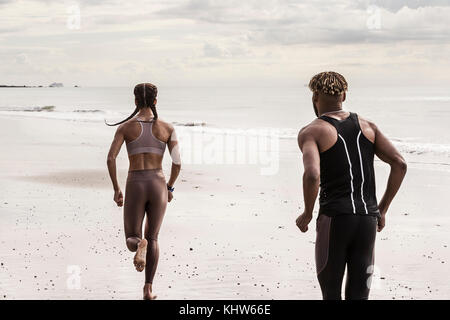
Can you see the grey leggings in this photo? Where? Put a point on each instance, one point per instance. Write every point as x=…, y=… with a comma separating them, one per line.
x=146, y=192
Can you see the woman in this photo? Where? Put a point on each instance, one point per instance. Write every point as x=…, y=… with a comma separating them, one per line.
x=146, y=137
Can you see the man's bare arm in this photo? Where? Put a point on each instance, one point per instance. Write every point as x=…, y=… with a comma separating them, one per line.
x=311, y=175
x=385, y=150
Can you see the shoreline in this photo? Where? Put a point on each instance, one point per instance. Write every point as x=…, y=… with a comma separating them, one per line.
x=24, y=86
x=38, y=86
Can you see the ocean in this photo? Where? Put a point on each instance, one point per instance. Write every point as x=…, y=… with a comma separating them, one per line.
x=416, y=119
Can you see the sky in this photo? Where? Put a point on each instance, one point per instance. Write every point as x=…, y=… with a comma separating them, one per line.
x=224, y=43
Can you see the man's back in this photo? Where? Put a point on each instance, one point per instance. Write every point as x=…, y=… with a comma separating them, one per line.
x=347, y=180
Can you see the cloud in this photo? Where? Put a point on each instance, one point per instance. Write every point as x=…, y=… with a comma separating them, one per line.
x=253, y=12
x=212, y=50
x=287, y=22
x=396, y=5
x=22, y=59
x=11, y=29
x=229, y=50
x=424, y=25
x=253, y=38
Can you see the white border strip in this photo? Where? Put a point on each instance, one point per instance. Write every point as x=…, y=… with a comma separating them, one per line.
x=351, y=174
x=362, y=172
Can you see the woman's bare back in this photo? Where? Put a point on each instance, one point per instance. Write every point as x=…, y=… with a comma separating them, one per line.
x=132, y=129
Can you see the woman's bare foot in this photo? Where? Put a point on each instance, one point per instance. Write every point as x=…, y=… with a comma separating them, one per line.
x=148, y=295
x=140, y=256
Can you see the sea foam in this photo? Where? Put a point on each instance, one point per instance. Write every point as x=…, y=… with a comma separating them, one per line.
x=406, y=145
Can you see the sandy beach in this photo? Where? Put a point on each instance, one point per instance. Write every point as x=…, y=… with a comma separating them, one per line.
x=228, y=234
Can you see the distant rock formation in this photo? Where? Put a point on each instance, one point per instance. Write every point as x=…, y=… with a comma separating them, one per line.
x=8, y=86
x=56, y=85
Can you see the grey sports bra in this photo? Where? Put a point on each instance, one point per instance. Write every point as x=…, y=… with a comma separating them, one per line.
x=146, y=142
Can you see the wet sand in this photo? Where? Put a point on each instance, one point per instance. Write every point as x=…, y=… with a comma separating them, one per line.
x=229, y=233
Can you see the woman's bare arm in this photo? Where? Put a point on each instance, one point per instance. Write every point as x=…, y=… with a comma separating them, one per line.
x=111, y=163
x=175, y=155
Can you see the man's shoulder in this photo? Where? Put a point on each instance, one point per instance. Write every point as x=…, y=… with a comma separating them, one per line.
x=365, y=122
x=311, y=131
x=314, y=127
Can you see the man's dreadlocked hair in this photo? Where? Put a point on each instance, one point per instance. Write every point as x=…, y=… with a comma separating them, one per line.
x=328, y=82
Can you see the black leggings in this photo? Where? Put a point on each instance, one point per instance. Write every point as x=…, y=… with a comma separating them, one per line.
x=345, y=240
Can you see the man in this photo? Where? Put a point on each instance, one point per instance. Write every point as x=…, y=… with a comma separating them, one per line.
x=338, y=151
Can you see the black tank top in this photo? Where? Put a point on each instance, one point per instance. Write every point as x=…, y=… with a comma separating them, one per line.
x=347, y=179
